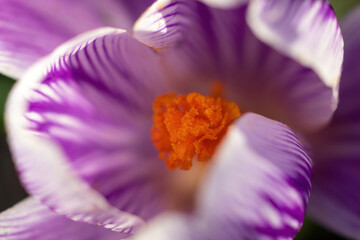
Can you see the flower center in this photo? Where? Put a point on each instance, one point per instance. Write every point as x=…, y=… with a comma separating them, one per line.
x=189, y=125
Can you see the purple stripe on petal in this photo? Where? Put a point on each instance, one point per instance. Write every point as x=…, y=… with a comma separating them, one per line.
x=202, y=44
x=257, y=188
x=159, y=25
x=335, y=197
x=32, y=29
x=79, y=128
x=29, y=220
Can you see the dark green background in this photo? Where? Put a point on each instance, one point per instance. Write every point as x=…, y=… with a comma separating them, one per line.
x=11, y=191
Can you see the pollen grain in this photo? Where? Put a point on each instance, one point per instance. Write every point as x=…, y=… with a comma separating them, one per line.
x=189, y=125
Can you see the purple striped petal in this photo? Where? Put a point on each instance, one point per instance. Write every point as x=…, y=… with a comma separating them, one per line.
x=305, y=30
x=79, y=128
x=29, y=220
x=267, y=75
x=258, y=187
x=335, y=197
x=32, y=29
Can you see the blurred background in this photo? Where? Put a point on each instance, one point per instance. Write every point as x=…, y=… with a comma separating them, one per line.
x=12, y=192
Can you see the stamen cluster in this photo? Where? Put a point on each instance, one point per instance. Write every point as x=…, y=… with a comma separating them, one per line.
x=189, y=125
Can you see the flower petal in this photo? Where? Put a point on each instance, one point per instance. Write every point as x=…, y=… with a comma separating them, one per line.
x=202, y=44
x=304, y=30
x=79, y=128
x=32, y=29
x=258, y=187
x=267, y=175
x=335, y=199
x=30, y=220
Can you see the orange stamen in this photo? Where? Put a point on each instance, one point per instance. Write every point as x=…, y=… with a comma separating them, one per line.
x=189, y=125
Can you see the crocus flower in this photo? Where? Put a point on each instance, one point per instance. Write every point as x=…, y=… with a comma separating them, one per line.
x=90, y=150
